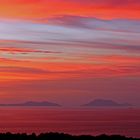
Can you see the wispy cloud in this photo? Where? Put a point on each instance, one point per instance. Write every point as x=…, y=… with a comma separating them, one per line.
x=121, y=34
x=13, y=50
x=116, y=25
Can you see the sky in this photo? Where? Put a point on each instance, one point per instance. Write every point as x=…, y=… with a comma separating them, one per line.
x=69, y=51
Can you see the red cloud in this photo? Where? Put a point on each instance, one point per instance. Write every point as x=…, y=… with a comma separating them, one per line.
x=29, y=9
x=23, y=50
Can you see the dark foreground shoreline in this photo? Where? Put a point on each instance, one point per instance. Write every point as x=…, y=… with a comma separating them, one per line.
x=60, y=136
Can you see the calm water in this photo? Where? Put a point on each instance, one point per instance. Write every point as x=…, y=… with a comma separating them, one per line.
x=73, y=121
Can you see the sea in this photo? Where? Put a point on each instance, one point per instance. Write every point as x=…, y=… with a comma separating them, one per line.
x=75, y=121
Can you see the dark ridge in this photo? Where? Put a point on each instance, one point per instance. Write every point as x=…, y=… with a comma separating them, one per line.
x=60, y=136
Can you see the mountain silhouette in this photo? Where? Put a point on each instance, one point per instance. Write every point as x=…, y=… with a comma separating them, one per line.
x=106, y=103
x=32, y=103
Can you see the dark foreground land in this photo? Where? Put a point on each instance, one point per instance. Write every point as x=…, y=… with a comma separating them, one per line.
x=60, y=136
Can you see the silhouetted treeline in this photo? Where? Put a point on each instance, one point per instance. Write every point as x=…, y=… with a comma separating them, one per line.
x=60, y=136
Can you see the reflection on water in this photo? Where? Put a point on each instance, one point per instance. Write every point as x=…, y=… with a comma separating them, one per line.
x=73, y=121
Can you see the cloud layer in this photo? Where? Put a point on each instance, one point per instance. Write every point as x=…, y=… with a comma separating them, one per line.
x=69, y=50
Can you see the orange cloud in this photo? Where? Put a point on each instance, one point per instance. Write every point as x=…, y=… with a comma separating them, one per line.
x=116, y=59
x=45, y=8
x=35, y=70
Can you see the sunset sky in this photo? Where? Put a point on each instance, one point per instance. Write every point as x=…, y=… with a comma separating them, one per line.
x=69, y=51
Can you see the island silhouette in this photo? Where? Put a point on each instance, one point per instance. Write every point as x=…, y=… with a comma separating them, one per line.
x=94, y=103
x=105, y=103
x=32, y=103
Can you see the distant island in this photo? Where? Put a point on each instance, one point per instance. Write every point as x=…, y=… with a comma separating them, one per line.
x=106, y=103
x=32, y=103
x=60, y=136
